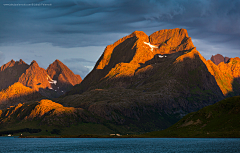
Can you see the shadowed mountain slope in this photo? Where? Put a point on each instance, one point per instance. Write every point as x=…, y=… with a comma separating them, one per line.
x=147, y=80
x=50, y=118
x=140, y=83
x=125, y=57
x=11, y=72
x=218, y=120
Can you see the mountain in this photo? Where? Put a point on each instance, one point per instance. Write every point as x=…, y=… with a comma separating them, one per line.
x=65, y=78
x=147, y=81
x=218, y=120
x=216, y=59
x=46, y=117
x=37, y=78
x=11, y=72
x=17, y=93
x=140, y=83
x=133, y=53
x=227, y=76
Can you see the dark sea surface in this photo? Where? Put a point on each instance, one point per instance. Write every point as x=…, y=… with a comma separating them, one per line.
x=100, y=145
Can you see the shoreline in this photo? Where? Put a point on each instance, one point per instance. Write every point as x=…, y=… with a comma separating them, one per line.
x=105, y=136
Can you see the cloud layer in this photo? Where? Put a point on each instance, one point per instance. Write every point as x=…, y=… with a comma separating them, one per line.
x=213, y=24
x=72, y=23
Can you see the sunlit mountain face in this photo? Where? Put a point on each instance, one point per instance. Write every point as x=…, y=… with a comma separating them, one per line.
x=139, y=84
x=53, y=82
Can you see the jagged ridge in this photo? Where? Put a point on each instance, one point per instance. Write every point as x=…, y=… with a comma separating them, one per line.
x=63, y=75
x=156, y=79
x=37, y=78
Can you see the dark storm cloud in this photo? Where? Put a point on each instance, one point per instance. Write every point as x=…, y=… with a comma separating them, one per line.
x=72, y=23
x=77, y=60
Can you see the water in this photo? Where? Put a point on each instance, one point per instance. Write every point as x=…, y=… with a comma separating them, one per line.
x=100, y=145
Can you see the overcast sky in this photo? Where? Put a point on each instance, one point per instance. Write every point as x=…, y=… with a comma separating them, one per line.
x=77, y=31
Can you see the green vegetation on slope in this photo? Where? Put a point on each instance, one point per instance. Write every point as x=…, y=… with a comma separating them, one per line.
x=49, y=118
x=219, y=120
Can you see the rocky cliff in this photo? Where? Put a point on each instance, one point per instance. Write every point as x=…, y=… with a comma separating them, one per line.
x=65, y=78
x=144, y=79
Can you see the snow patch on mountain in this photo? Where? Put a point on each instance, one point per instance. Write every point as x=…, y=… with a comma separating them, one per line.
x=150, y=45
x=161, y=56
x=51, y=81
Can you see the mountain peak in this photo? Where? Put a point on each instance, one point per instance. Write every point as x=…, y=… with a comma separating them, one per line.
x=20, y=62
x=171, y=40
x=34, y=63
x=10, y=72
x=128, y=55
x=57, y=61
x=139, y=48
x=63, y=75
x=58, y=64
x=140, y=34
x=34, y=77
x=37, y=78
x=218, y=58
x=7, y=65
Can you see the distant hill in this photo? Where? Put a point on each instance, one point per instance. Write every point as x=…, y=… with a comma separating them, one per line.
x=17, y=93
x=46, y=117
x=219, y=120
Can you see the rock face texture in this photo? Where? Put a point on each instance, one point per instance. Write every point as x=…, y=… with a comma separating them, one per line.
x=144, y=79
x=20, y=75
x=65, y=78
x=140, y=83
x=217, y=59
x=11, y=72
x=133, y=52
x=35, y=77
x=227, y=75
